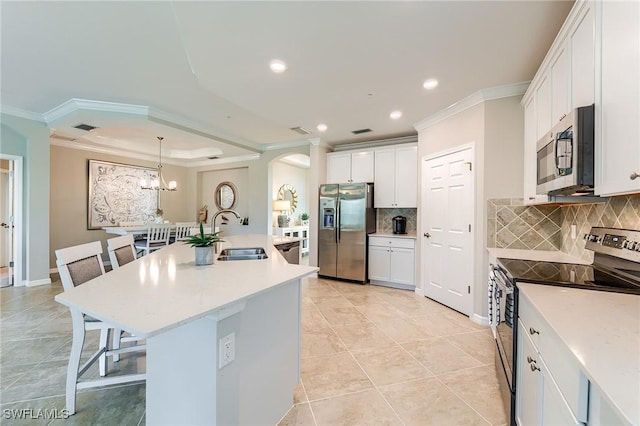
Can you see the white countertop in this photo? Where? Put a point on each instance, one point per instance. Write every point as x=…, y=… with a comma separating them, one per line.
x=165, y=289
x=392, y=235
x=538, y=255
x=602, y=330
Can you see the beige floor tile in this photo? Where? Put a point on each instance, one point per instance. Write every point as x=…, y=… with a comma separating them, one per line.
x=319, y=290
x=391, y=364
x=404, y=330
x=380, y=312
x=478, y=344
x=360, y=336
x=362, y=408
x=479, y=388
x=412, y=307
x=332, y=375
x=325, y=302
x=363, y=298
x=440, y=356
x=446, y=323
x=428, y=402
x=312, y=318
x=343, y=316
x=299, y=415
x=320, y=341
x=299, y=394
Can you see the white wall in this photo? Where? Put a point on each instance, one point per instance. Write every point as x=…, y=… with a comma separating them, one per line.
x=298, y=177
x=317, y=176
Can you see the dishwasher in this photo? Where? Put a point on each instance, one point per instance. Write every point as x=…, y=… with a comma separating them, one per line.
x=290, y=251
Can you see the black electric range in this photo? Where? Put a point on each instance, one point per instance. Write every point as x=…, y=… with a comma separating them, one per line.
x=616, y=265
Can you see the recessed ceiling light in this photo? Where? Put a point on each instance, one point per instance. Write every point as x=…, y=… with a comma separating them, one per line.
x=278, y=66
x=429, y=84
x=322, y=127
x=395, y=114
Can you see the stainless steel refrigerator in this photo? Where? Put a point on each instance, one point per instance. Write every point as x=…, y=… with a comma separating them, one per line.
x=346, y=217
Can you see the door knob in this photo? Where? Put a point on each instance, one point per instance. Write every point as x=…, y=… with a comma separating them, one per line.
x=428, y=235
x=634, y=176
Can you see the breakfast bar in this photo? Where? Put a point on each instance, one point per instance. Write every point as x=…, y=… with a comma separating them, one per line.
x=223, y=340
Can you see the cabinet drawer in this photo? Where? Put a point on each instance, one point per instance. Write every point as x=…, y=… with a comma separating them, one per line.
x=392, y=242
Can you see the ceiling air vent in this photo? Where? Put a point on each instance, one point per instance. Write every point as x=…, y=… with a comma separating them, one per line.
x=300, y=130
x=86, y=127
x=360, y=131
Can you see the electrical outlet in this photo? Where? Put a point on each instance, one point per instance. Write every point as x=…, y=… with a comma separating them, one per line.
x=574, y=232
x=227, y=349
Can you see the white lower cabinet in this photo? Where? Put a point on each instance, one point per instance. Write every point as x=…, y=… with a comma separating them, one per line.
x=551, y=388
x=392, y=261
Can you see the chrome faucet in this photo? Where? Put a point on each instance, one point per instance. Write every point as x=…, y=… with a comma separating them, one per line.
x=213, y=224
x=218, y=213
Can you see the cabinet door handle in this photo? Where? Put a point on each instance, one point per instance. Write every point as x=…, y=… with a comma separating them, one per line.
x=533, y=331
x=534, y=367
x=532, y=198
x=530, y=360
x=634, y=176
x=428, y=235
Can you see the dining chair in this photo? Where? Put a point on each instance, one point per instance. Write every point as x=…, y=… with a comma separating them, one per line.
x=157, y=237
x=77, y=265
x=121, y=251
x=183, y=230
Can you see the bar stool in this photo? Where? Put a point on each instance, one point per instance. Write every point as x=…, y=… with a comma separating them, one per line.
x=77, y=265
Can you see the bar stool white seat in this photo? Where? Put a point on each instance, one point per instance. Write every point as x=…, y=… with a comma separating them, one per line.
x=77, y=265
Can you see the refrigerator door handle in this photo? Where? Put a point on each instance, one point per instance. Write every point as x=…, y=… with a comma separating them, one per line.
x=337, y=221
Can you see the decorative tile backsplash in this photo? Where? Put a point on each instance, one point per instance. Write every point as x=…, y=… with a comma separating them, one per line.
x=548, y=227
x=385, y=224
x=616, y=212
x=512, y=225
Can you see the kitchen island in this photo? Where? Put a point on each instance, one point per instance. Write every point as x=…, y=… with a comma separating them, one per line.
x=185, y=311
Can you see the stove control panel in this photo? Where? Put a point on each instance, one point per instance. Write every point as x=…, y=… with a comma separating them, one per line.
x=622, y=243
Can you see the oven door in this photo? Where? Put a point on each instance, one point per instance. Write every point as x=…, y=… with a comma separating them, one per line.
x=504, y=295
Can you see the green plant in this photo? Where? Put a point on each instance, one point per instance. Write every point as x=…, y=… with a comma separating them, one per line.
x=304, y=216
x=202, y=239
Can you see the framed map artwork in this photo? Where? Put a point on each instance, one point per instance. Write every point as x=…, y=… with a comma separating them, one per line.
x=115, y=195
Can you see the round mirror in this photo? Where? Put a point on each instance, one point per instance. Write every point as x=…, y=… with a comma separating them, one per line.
x=288, y=192
x=226, y=196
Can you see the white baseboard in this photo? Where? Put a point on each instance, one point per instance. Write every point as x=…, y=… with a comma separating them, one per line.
x=419, y=291
x=480, y=319
x=35, y=283
x=392, y=285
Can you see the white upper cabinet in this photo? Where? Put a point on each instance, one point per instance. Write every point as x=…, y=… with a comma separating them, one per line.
x=529, y=167
x=345, y=167
x=543, y=106
x=566, y=80
x=396, y=177
x=560, y=86
x=618, y=101
x=581, y=46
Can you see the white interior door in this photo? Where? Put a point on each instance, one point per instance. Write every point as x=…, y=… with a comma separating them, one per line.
x=447, y=214
x=6, y=224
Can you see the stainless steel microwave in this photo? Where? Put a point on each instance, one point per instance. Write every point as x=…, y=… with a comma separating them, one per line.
x=565, y=155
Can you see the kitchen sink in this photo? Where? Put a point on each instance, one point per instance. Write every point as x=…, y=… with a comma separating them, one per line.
x=251, y=253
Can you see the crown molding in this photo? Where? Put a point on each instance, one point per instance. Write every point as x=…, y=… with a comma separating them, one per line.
x=376, y=143
x=285, y=145
x=238, y=159
x=17, y=112
x=148, y=157
x=147, y=113
x=74, y=104
x=480, y=96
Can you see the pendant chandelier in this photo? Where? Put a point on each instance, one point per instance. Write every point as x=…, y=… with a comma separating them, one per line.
x=159, y=184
